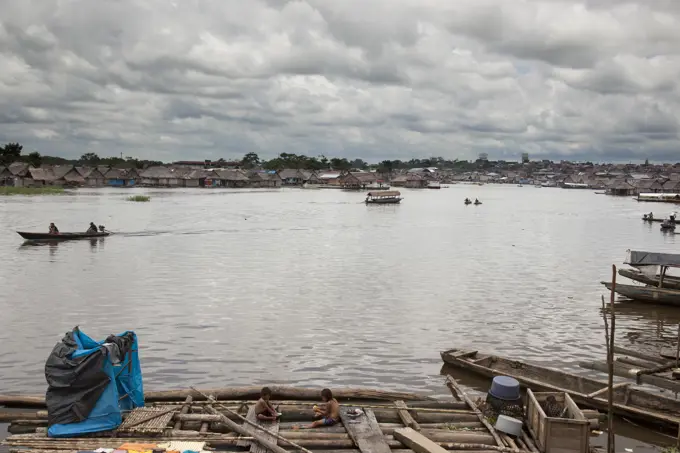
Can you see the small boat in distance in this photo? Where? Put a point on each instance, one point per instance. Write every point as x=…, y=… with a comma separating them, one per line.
x=384, y=197
x=61, y=236
x=668, y=225
x=434, y=185
x=57, y=236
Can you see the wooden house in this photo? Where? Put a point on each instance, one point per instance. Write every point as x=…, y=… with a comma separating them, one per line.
x=93, y=177
x=232, y=178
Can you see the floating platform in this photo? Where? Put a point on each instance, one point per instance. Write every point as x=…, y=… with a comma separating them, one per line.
x=228, y=422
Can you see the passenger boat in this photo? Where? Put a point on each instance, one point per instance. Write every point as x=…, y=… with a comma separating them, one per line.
x=434, y=185
x=630, y=402
x=61, y=236
x=669, y=282
x=659, y=197
x=651, y=294
x=384, y=197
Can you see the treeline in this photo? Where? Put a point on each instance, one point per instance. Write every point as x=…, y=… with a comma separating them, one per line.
x=12, y=152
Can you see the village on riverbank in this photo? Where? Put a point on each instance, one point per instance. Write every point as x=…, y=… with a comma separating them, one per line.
x=613, y=179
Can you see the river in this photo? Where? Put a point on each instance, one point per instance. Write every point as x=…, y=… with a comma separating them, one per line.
x=314, y=288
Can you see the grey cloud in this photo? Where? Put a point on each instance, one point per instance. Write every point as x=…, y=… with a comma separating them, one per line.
x=373, y=79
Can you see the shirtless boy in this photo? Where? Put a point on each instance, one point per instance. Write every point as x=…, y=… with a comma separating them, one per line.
x=263, y=408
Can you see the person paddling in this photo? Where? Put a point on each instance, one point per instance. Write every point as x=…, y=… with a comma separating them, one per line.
x=53, y=229
x=93, y=228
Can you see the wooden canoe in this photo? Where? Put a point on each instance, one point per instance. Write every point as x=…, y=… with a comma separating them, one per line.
x=669, y=282
x=660, y=296
x=61, y=236
x=629, y=402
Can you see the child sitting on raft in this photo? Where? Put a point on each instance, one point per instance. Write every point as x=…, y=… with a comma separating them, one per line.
x=263, y=408
x=328, y=413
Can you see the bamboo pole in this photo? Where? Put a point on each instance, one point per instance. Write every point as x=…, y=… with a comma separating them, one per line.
x=451, y=383
x=610, y=361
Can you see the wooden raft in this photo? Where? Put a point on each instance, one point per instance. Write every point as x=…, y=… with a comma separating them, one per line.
x=364, y=431
x=148, y=420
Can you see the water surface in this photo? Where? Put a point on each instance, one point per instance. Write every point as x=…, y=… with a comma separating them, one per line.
x=312, y=287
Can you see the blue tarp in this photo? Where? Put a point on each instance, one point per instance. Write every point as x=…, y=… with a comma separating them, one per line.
x=70, y=373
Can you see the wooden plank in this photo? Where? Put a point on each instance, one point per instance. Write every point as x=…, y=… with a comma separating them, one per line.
x=273, y=428
x=365, y=431
x=416, y=441
x=405, y=416
x=248, y=430
x=640, y=355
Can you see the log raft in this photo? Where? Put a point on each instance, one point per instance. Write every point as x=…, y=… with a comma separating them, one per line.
x=450, y=425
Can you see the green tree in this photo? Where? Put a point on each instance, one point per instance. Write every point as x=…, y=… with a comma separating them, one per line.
x=340, y=164
x=90, y=158
x=34, y=159
x=359, y=164
x=250, y=160
x=10, y=153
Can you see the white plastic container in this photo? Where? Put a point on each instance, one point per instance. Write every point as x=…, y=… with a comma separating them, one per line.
x=509, y=425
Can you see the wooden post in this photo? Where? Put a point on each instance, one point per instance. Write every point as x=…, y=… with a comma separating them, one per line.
x=663, y=273
x=677, y=351
x=610, y=362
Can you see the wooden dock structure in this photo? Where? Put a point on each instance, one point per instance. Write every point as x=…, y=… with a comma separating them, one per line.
x=229, y=424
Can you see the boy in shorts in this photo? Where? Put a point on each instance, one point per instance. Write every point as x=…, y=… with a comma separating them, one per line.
x=328, y=413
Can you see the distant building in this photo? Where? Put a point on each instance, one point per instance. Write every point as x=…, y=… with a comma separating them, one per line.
x=525, y=158
x=483, y=156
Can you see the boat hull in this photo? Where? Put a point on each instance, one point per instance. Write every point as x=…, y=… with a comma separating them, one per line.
x=632, y=403
x=660, y=296
x=396, y=201
x=668, y=281
x=61, y=236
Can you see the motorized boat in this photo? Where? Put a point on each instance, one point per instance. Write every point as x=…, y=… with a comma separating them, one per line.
x=630, y=402
x=64, y=236
x=384, y=197
x=665, y=290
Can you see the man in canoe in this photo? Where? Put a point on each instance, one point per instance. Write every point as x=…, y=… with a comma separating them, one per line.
x=53, y=229
x=328, y=413
x=93, y=228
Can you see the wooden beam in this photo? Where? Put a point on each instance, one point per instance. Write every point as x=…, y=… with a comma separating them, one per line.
x=416, y=441
x=406, y=418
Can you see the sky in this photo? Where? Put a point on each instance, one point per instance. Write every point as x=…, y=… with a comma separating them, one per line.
x=376, y=79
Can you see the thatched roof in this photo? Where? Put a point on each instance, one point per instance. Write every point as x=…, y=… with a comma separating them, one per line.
x=290, y=173
x=231, y=175
x=90, y=172
x=4, y=172
x=19, y=168
x=159, y=172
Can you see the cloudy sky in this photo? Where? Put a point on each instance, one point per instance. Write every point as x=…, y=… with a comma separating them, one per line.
x=377, y=79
